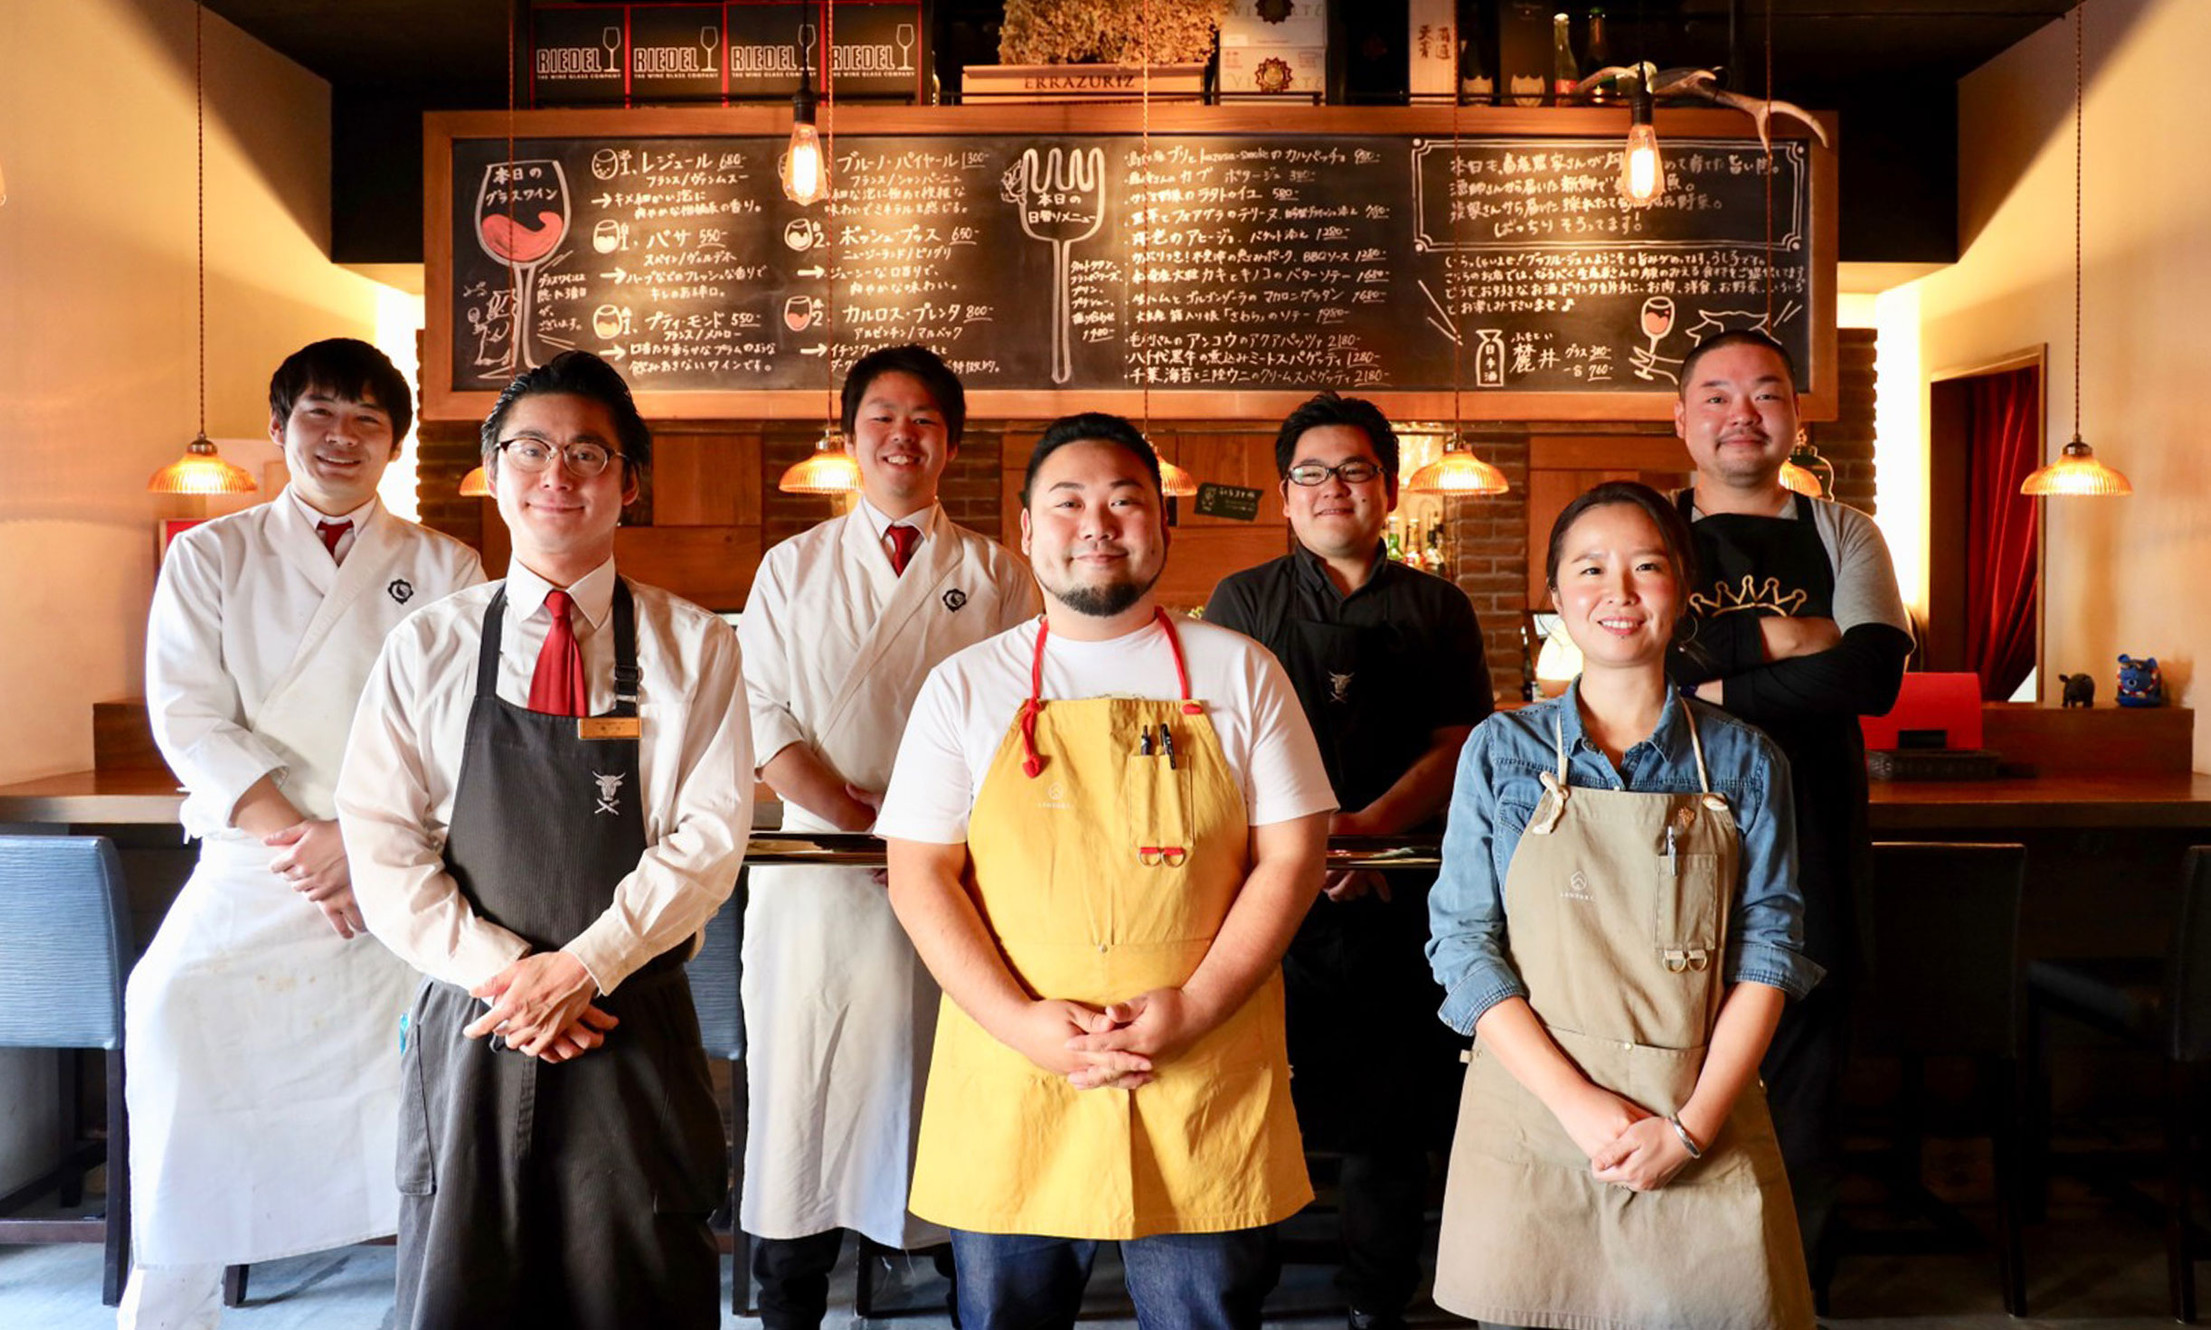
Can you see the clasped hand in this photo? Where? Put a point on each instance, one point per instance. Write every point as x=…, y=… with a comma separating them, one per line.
x=313, y=863
x=541, y=1005
x=1627, y=1144
x=1110, y=1048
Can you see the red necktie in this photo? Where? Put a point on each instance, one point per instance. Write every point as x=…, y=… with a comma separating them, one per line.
x=557, y=687
x=332, y=533
x=902, y=540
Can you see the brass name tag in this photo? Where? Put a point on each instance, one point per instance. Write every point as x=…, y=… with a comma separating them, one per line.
x=609, y=727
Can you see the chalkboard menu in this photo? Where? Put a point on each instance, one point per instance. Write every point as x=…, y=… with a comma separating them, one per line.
x=1181, y=263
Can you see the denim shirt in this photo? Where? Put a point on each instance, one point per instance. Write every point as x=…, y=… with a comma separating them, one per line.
x=1499, y=780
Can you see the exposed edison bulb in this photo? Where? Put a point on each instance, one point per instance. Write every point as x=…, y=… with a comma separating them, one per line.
x=1642, y=174
x=805, y=174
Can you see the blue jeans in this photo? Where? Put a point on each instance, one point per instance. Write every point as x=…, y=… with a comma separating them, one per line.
x=1178, y=1281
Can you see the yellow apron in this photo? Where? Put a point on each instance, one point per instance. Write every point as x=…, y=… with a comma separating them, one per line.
x=1103, y=872
x=1617, y=906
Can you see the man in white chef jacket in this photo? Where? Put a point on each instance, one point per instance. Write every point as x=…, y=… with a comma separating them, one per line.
x=262, y=1023
x=843, y=624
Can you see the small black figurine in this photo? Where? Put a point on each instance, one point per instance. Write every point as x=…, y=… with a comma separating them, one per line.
x=2080, y=689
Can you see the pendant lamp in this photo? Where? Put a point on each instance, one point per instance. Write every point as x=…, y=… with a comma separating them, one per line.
x=476, y=484
x=1175, y=482
x=201, y=470
x=2076, y=472
x=1457, y=472
x=829, y=469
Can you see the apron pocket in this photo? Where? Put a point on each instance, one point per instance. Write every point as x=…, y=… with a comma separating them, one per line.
x=1153, y=801
x=416, y=1170
x=1687, y=930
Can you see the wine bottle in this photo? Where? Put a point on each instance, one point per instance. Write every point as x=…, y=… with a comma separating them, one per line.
x=1565, y=69
x=1598, y=56
x=1476, y=87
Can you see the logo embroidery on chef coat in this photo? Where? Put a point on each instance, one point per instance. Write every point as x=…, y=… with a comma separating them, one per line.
x=954, y=598
x=1055, y=796
x=609, y=786
x=400, y=590
x=1577, y=888
x=1339, y=687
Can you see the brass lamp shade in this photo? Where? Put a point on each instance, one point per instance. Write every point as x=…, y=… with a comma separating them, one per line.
x=829, y=469
x=201, y=470
x=2076, y=473
x=1457, y=473
x=1797, y=480
x=476, y=485
x=1175, y=482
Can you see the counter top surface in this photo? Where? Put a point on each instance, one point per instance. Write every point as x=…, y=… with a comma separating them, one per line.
x=151, y=798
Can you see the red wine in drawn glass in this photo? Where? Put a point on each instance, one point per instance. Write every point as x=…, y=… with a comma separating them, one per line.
x=516, y=242
x=521, y=218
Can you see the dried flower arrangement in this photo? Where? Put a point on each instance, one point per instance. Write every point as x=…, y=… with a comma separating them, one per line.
x=1057, y=32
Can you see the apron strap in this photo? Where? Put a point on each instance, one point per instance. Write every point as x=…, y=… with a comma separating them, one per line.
x=487, y=652
x=627, y=676
x=1696, y=745
x=1032, y=761
x=1553, y=805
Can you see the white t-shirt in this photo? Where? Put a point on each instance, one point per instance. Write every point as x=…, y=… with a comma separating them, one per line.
x=972, y=698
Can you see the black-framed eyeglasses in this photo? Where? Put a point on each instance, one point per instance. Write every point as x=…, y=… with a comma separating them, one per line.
x=532, y=457
x=1354, y=472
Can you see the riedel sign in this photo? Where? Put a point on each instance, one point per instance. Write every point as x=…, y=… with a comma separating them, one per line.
x=644, y=54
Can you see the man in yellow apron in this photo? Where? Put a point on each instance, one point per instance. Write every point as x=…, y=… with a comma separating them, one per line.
x=1104, y=828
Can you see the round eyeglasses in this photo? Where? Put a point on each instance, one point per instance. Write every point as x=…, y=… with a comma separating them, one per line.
x=532, y=457
x=1353, y=472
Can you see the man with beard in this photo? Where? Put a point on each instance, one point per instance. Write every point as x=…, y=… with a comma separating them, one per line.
x=1798, y=629
x=1104, y=828
x=1388, y=664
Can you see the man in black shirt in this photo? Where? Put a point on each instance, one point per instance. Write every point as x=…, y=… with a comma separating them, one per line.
x=1387, y=661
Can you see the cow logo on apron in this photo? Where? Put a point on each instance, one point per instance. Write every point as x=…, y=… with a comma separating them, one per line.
x=1339, y=687
x=401, y=590
x=609, y=786
x=954, y=598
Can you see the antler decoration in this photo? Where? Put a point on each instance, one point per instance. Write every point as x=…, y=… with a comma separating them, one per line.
x=1703, y=85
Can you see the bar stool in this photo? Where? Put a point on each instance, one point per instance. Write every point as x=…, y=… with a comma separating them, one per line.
x=64, y=950
x=714, y=975
x=2150, y=1002
x=1942, y=981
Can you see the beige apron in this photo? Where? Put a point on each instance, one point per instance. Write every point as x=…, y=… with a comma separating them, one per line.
x=1103, y=872
x=1617, y=905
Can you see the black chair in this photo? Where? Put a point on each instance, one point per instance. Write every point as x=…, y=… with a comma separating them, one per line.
x=1941, y=980
x=714, y=975
x=2160, y=1003
x=65, y=949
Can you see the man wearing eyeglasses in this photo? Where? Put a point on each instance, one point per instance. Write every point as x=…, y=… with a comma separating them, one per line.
x=546, y=797
x=1388, y=664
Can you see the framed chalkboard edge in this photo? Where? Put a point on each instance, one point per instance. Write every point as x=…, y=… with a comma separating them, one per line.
x=440, y=401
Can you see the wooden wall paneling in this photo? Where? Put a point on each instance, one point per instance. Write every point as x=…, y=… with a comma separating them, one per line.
x=706, y=479
x=712, y=565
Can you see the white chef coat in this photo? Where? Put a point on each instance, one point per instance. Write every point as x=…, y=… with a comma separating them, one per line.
x=971, y=700
x=839, y=1013
x=395, y=797
x=263, y=1088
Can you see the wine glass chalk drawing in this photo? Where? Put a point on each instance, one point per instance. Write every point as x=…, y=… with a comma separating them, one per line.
x=905, y=47
x=1658, y=320
x=1060, y=195
x=521, y=218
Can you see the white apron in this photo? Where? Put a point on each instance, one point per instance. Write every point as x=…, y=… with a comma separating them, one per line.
x=840, y=1014
x=263, y=1048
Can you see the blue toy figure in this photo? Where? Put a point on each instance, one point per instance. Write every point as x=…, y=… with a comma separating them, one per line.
x=2140, y=684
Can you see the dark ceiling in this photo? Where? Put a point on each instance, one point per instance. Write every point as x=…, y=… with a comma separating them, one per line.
x=1889, y=67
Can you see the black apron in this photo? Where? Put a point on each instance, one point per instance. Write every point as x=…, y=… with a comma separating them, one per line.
x=541, y=1194
x=1803, y=1065
x=1371, y=1070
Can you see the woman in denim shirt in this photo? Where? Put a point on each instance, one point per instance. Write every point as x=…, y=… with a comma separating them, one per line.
x=1617, y=923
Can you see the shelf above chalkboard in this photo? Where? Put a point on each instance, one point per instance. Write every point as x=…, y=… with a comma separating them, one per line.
x=1224, y=261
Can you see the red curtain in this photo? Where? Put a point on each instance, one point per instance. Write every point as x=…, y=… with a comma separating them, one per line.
x=2003, y=444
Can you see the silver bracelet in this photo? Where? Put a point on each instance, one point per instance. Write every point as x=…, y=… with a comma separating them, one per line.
x=1688, y=1142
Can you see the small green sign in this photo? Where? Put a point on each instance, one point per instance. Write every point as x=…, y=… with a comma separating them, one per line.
x=1231, y=501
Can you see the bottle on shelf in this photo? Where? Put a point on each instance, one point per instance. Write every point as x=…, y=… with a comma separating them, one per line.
x=1476, y=87
x=1598, y=55
x=1565, y=69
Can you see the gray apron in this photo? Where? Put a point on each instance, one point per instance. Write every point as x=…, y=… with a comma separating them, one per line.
x=1617, y=905
x=541, y=1194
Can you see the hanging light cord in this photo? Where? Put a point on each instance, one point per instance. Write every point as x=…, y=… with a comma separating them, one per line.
x=2080, y=21
x=834, y=419
x=514, y=275
x=1770, y=330
x=1151, y=207
x=200, y=146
